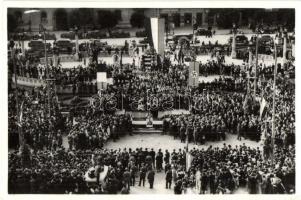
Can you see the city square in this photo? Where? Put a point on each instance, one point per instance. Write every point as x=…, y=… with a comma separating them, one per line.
x=151, y=101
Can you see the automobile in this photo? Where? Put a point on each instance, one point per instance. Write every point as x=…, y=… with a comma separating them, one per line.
x=203, y=32
x=38, y=45
x=266, y=40
x=144, y=41
x=240, y=40
x=98, y=43
x=65, y=45
x=182, y=38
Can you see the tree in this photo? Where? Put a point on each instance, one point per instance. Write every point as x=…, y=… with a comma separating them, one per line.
x=11, y=23
x=107, y=19
x=137, y=19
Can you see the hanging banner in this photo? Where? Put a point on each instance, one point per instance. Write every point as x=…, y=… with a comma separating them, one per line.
x=157, y=32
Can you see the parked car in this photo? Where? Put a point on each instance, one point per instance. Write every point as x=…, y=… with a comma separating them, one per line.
x=38, y=45
x=65, y=46
x=182, y=39
x=144, y=41
x=240, y=40
x=203, y=32
x=266, y=40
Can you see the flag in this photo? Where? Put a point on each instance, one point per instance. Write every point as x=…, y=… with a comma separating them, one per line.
x=21, y=115
x=262, y=107
x=157, y=29
x=245, y=103
x=189, y=159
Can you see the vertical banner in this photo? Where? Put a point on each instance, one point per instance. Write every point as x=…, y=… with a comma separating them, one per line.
x=193, y=79
x=157, y=32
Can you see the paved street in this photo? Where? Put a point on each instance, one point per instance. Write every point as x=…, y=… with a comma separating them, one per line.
x=157, y=141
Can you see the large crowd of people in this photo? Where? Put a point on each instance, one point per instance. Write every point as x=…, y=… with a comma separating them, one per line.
x=216, y=109
x=212, y=170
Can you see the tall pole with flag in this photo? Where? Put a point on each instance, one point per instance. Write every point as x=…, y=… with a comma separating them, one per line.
x=20, y=134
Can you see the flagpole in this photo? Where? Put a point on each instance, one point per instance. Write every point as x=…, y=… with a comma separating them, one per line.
x=20, y=134
x=273, y=111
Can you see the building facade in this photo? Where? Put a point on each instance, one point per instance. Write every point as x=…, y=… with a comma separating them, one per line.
x=55, y=19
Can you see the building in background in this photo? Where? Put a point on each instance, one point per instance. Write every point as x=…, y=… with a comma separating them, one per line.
x=57, y=19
